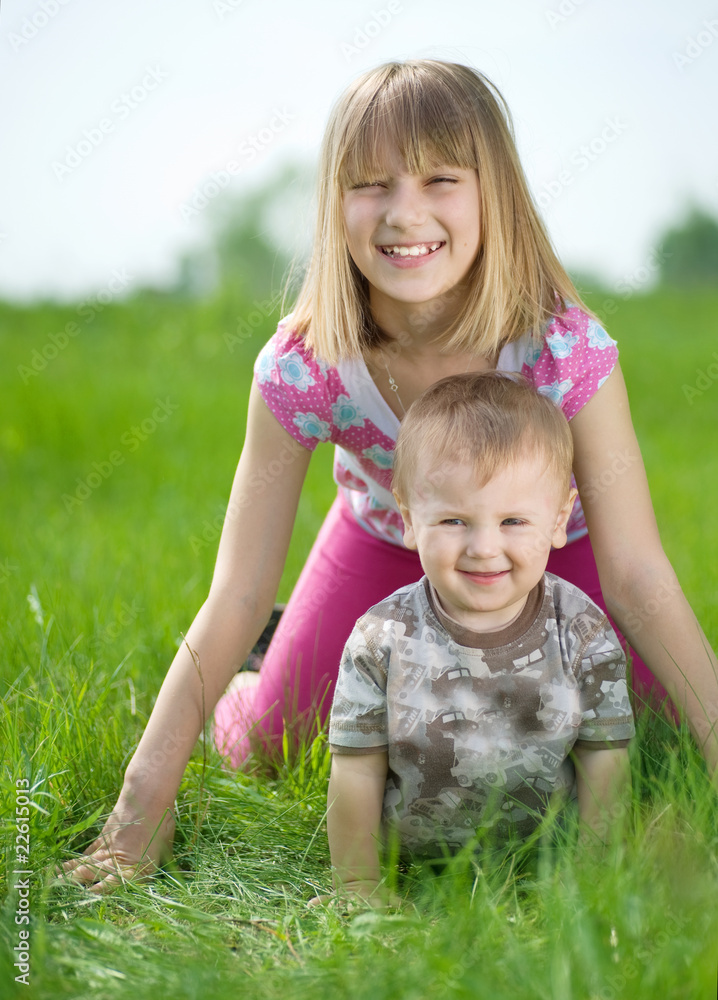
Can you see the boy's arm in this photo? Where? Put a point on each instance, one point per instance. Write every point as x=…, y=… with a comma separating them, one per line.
x=603, y=781
x=354, y=808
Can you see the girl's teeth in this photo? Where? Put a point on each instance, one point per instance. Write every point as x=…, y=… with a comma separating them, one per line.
x=415, y=251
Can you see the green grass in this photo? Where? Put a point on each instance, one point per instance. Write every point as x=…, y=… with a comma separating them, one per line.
x=116, y=577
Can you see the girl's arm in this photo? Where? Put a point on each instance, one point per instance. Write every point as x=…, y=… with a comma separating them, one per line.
x=639, y=585
x=603, y=784
x=354, y=807
x=251, y=557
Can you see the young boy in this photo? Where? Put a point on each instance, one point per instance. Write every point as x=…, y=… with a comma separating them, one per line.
x=469, y=699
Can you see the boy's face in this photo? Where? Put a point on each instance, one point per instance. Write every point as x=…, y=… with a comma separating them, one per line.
x=484, y=548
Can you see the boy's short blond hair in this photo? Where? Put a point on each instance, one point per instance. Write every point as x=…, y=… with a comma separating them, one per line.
x=487, y=419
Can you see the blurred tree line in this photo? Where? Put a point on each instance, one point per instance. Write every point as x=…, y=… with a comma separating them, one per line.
x=255, y=240
x=690, y=252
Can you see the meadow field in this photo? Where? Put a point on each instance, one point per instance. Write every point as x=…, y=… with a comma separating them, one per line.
x=120, y=428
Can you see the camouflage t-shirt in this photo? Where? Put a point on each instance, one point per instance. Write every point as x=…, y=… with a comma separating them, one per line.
x=478, y=726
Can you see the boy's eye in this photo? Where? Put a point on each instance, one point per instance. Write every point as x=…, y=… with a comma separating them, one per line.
x=452, y=520
x=510, y=521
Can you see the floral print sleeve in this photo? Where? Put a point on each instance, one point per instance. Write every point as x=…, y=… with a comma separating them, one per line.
x=569, y=365
x=576, y=359
x=316, y=402
x=295, y=388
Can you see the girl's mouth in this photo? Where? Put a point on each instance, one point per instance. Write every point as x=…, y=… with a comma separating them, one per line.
x=394, y=250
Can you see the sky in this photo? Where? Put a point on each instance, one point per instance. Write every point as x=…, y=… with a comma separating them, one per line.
x=122, y=121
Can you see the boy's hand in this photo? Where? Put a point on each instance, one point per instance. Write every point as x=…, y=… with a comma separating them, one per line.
x=358, y=895
x=127, y=848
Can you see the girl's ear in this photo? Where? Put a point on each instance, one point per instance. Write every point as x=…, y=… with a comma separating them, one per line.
x=558, y=539
x=409, y=538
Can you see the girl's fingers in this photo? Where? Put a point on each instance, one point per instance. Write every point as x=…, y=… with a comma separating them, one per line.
x=86, y=872
x=108, y=883
x=73, y=863
x=74, y=870
x=120, y=875
x=104, y=873
x=102, y=879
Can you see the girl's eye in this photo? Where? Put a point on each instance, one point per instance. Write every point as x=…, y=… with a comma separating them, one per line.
x=365, y=184
x=452, y=520
x=513, y=521
x=444, y=180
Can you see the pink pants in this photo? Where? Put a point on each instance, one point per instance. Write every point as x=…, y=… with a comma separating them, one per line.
x=346, y=573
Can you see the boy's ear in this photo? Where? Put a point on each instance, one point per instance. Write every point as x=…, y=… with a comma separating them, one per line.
x=409, y=538
x=558, y=539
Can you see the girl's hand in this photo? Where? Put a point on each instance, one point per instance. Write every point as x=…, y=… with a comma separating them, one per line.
x=129, y=847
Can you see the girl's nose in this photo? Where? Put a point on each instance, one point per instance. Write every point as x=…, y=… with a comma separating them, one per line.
x=404, y=206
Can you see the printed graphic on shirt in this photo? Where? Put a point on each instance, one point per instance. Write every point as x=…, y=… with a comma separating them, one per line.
x=478, y=738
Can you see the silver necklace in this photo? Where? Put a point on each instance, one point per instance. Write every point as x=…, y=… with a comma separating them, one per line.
x=394, y=388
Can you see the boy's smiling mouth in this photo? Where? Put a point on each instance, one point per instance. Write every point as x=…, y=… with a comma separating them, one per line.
x=492, y=576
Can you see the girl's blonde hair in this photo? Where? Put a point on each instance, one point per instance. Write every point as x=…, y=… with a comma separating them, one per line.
x=437, y=113
x=487, y=420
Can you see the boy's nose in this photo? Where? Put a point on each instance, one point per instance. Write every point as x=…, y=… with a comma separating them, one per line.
x=482, y=543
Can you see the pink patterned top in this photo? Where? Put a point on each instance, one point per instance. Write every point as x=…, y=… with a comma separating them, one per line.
x=316, y=402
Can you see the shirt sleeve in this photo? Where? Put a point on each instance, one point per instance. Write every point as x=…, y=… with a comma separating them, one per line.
x=607, y=718
x=294, y=385
x=358, y=723
x=575, y=359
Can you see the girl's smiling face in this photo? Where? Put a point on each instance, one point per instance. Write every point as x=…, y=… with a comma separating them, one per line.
x=414, y=237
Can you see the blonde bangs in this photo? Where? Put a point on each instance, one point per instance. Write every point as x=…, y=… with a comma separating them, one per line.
x=409, y=113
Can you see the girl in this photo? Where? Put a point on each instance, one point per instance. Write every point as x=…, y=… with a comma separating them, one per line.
x=429, y=260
